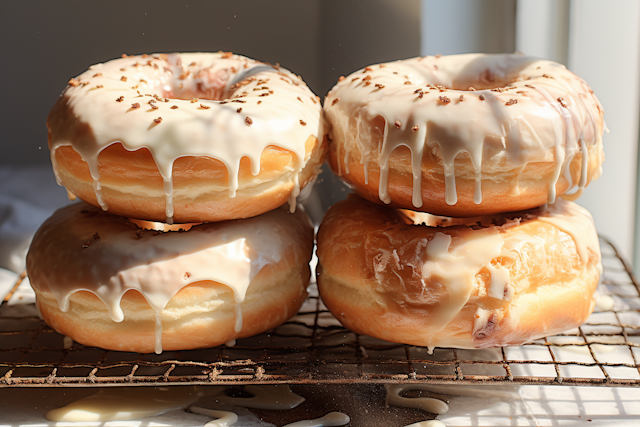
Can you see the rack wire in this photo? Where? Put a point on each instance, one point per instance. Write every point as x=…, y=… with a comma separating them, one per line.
x=314, y=348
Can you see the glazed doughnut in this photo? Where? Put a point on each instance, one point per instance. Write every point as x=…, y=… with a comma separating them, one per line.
x=192, y=137
x=465, y=135
x=497, y=281
x=119, y=284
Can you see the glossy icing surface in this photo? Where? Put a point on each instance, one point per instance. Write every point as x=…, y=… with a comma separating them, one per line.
x=504, y=111
x=82, y=248
x=216, y=105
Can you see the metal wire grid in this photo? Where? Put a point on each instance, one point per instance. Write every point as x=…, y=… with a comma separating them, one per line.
x=314, y=348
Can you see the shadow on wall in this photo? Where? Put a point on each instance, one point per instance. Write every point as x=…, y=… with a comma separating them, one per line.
x=45, y=44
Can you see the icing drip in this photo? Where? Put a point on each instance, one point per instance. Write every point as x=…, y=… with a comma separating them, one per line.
x=457, y=263
x=118, y=404
x=274, y=105
x=224, y=418
x=393, y=397
x=121, y=257
x=431, y=423
x=543, y=113
x=331, y=419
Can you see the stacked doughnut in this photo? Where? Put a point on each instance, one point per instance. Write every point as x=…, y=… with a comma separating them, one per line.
x=489, y=141
x=214, y=142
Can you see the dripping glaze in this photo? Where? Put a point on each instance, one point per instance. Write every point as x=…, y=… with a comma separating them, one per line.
x=120, y=256
x=544, y=113
x=208, y=91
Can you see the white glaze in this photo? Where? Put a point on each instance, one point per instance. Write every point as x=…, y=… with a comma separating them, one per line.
x=537, y=128
x=331, y=419
x=394, y=397
x=156, y=264
x=431, y=423
x=118, y=404
x=210, y=127
x=224, y=418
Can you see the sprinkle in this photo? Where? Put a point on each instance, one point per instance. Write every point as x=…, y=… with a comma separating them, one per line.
x=174, y=107
x=421, y=94
x=417, y=90
x=471, y=88
x=341, y=78
x=206, y=107
x=461, y=98
x=335, y=101
x=529, y=86
x=259, y=102
x=355, y=78
x=123, y=69
x=482, y=98
x=226, y=55
x=547, y=76
x=184, y=75
x=303, y=123
x=73, y=82
x=187, y=275
x=407, y=82
x=153, y=106
x=135, y=106
x=367, y=78
x=415, y=128
x=194, y=100
x=96, y=236
x=299, y=99
x=522, y=92
x=444, y=99
x=123, y=78
x=97, y=74
x=561, y=101
x=398, y=124
x=99, y=87
x=124, y=55
x=193, y=64
x=367, y=83
x=120, y=99
x=367, y=69
x=313, y=99
x=86, y=244
x=158, y=120
x=511, y=102
x=379, y=86
x=248, y=121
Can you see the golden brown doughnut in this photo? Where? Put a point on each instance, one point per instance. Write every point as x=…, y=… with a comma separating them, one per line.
x=501, y=280
x=104, y=281
x=465, y=135
x=196, y=137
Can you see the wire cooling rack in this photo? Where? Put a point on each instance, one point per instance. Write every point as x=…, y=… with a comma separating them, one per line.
x=314, y=348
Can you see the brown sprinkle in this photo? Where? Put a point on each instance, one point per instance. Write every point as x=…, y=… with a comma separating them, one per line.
x=398, y=124
x=123, y=78
x=248, y=121
x=120, y=99
x=205, y=107
x=135, y=106
x=482, y=98
x=99, y=87
x=461, y=98
x=193, y=64
x=511, y=102
x=299, y=99
x=259, y=102
x=367, y=83
x=444, y=99
x=174, y=107
x=73, y=82
x=153, y=106
x=187, y=275
x=415, y=128
x=239, y=110
x=303, y=123
x=407, y=82
x=367, y=69
x=227, y=55
x=522, y=92
x=561, y=101
x=379, y=86
x=547, y=76
x=97, y=74
x=529, y=86
x=471, y=88
x=194, y=100
x=367, y=78
x=335, y=101
x=158, y=120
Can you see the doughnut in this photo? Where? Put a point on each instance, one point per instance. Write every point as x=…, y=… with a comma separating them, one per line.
x=186, y=137
x=139, y=286
x=415, y=278
x=465, y=135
